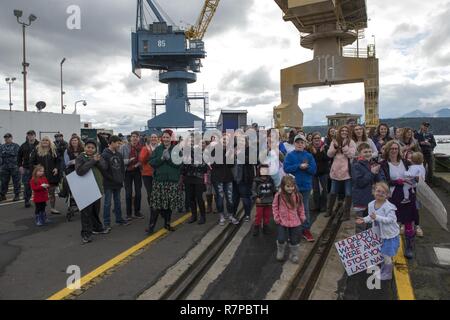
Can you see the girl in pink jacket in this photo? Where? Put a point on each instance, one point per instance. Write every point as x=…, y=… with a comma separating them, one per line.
x=289, y=215
x=342, y=150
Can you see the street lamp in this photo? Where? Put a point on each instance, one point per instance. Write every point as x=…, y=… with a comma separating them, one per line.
x=18, y=14
x=62, y=92
x=84, y=104
x=10, y=81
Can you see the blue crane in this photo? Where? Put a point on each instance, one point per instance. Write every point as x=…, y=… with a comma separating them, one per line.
x=176, y=54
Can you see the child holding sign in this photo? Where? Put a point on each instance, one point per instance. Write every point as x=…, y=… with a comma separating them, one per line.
x=382, y=214
x=289, y=215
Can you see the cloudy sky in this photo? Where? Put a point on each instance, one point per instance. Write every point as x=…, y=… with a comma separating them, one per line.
x=247, y=43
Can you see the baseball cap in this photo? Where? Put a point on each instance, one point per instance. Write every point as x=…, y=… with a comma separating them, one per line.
x=91, y=141
x=300, y=137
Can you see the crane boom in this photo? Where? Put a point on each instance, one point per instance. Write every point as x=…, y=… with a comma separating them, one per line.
x=198, y=31
x=155, y=11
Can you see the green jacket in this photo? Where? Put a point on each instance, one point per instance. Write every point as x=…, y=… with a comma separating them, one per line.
x=83, y=164
x=165, y=170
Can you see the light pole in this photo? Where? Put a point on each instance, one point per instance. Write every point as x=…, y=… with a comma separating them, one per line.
x=31, y=18
x=10, y=81
x=84, y=104
x=62, y=92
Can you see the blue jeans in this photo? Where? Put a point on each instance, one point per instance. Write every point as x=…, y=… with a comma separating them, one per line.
x=336, y=185
x=305, y=195
x=320, y=198
x=242, y=191
x=109, y=193
x=133, y=177
x=224, y=191
x=292, y=234
x=26, y=177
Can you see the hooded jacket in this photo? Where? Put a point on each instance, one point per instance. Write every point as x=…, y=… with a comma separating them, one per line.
x=25, y=151
x=362, y=182
x=303, y=178
x=114, y=173
x=40, y=194
x=84, y=163
x=386, y=220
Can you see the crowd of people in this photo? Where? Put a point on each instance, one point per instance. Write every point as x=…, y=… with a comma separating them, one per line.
x=373, y=173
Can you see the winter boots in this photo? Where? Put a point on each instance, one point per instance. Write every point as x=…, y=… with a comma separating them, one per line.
x=38, y=220
x=386, y=271
x=41, y=219
x=209, y=201
x=202, y=219
x=331, y=202
x=293, y=253
x=347, y=207
x=193, y=218
x=409, y=250
x=281, y=247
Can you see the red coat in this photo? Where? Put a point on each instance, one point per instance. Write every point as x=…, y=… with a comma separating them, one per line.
x=39, y=194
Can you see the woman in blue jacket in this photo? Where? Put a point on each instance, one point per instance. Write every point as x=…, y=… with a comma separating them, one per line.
x=302, y=165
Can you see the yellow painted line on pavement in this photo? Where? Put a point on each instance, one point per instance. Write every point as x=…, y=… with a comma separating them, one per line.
x=64, y=293
x=401, y=274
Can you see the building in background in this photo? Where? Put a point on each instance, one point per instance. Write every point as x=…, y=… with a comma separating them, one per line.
x=44, y=123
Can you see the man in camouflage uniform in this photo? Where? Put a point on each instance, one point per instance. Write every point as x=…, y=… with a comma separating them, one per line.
x=9, y=168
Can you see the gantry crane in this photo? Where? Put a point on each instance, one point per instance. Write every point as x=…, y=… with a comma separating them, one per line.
x=176, y=54
x=326, y=27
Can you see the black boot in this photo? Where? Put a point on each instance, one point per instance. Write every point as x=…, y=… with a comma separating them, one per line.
x=202, y=219
x=209, y=199
x=193, y=218
x=331, y=202
x=316, y=201
x=167, y=216
x=347, y=207
x=153, y=219
x=409, y=250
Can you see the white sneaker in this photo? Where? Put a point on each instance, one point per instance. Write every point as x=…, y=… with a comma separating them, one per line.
x=233, y=220
x=246, y=219
x=222, y=221
x=419, y=231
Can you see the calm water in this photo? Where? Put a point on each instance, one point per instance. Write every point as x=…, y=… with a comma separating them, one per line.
x=442, y=147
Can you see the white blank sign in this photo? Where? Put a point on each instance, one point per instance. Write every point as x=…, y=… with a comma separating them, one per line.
x=84, y=189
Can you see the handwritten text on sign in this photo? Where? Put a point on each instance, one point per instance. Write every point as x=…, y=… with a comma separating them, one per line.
x=360, y=252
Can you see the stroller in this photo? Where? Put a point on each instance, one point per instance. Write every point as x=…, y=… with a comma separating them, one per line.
x=70, y=201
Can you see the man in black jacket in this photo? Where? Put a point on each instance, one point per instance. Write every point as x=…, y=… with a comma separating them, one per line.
x=113, y=178
x=25, y=166
x=427, y=144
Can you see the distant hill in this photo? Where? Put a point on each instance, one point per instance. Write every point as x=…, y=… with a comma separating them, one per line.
x=439, y=126
x=445, y=112
x=416, y=114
